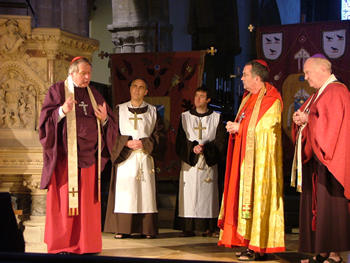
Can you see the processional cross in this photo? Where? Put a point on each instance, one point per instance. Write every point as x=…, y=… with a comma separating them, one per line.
x=200, y=128
x=135, y=119
x=211, y=51
x=103, y=54
x=84, y=106
x=301, y=56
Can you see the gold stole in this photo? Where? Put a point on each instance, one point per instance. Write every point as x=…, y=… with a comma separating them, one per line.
x=248, y=175
x=73, y=188
x=297, y=166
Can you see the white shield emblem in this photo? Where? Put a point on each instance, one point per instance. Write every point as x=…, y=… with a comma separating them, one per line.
x=272, y=45
x=334, y=43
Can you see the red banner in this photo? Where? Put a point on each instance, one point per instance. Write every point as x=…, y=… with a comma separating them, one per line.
x=285, y=48
x=172, y=78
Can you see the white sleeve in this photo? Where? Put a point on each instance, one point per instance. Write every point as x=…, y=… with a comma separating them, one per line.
x=61, y=114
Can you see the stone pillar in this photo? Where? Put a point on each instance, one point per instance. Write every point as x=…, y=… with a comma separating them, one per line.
x=20, y=195
x=75, y=17
x=34, y=228
x=20, y=172
x=30, y=62
x=48, y=13
x=140, y=26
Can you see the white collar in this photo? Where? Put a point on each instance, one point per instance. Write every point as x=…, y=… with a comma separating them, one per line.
x=143, y=104
x=71, y=84
x=331, y=78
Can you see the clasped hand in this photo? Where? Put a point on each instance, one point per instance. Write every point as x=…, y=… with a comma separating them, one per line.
x=232, y=127
x=300, y=117
x=134, y=144
x=198, y=149
x=101, y=112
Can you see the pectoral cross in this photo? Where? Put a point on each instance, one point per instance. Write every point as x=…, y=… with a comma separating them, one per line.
x=241, y=117
x=200, y=128
x=135, y=119
x=73, y=192
x=84, y=106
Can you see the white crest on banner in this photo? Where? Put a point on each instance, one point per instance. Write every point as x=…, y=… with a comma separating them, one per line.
x=334, y=43
x=272, y=45
x=301, y=56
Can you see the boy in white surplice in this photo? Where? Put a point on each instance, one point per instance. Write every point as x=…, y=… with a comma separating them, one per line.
x=200, y=143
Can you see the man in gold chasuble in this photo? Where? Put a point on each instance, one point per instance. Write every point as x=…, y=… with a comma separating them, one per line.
x=251, y=213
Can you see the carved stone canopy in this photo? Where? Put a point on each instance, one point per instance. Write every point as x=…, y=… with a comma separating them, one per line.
x=30, y=61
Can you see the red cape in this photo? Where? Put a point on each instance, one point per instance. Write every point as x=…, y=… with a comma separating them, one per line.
x=328, y=132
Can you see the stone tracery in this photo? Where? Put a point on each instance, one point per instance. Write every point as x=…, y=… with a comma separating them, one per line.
x=19, y=100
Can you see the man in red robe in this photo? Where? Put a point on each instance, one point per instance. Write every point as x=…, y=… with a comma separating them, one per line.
x=76, y=131
x=322, y=127
x=252, y=207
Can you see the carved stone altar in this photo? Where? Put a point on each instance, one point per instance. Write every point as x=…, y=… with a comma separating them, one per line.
x=30, y=61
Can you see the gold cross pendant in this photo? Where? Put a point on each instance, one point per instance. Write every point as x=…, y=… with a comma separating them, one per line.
x=200, y=128
x=135, y=119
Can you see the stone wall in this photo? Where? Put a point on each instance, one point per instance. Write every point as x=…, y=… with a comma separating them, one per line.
x=141, y=26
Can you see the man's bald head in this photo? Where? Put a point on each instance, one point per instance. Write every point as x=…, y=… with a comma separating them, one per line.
x=322, y=63
x=317, y=71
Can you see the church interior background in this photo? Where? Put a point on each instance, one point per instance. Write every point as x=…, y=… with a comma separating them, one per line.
x=38, y=38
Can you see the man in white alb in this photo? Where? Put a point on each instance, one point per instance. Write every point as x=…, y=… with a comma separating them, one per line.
x=200, y=143
x=132, y=207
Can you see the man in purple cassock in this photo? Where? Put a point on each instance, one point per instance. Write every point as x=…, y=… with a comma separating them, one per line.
x=77, y=130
